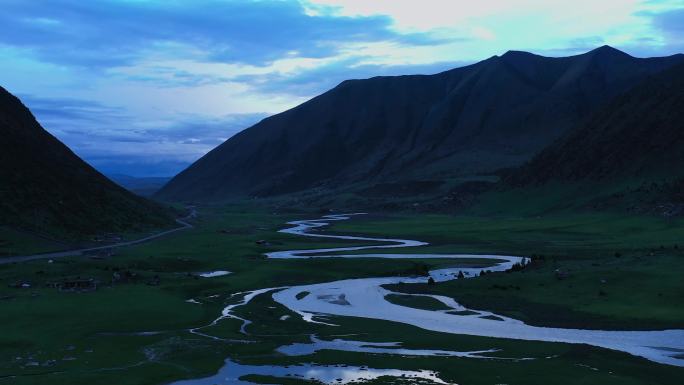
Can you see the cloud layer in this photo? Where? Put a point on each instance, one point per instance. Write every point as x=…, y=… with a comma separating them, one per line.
x=103, y=34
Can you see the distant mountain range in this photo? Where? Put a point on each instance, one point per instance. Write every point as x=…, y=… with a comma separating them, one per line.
x=467, y=122
x=143, y=186
x=45, y=187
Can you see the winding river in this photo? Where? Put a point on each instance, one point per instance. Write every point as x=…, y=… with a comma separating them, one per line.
x=365, y=298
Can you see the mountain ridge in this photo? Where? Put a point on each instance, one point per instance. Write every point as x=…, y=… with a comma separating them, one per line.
x=470, y=120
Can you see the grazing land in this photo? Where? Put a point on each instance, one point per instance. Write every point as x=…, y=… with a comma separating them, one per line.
x=139, y=323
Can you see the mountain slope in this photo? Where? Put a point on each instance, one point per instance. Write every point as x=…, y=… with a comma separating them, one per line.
x=494, y=114
x=638, y=135
x=44, y=186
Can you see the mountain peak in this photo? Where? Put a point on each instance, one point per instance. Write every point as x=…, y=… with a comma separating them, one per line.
x=607, y=51
x=514, y=53
x=520, y=57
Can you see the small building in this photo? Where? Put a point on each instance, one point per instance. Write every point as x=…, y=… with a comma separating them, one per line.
x=77, y=285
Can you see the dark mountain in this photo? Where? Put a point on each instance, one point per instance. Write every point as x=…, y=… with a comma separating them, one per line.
x=143, y=186
x=471, y=120
x=46, y=187
x=638, y=135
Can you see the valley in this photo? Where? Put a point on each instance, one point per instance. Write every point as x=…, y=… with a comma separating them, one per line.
x=214, y=210
x=137, y=327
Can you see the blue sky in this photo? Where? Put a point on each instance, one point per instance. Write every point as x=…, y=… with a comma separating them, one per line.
x=146, y=87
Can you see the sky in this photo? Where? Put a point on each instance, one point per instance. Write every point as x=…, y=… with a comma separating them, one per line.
x=144, y=88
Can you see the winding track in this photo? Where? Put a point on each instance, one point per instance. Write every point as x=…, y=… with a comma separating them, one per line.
x=366, y=298
x=76, y=252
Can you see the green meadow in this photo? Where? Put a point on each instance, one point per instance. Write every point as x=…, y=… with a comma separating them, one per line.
x=623, y=272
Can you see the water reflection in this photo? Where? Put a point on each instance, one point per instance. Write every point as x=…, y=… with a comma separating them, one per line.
x=231, y=372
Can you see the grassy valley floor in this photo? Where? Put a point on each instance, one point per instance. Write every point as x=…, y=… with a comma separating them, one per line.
x=134, y=328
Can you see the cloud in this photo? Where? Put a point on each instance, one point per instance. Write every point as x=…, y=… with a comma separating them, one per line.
x=671, y=22
x=110, y=139
x=50, y=109
x=324, y=77
x=575, y=46
x=105, y=34
x=668, y=25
